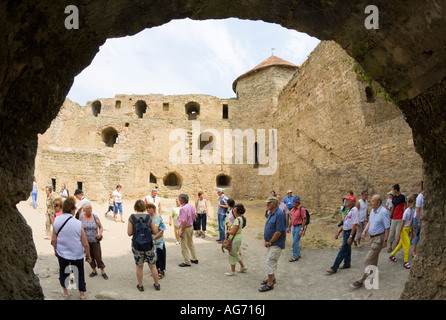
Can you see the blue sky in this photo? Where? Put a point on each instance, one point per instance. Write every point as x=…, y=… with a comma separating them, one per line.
x=187, y=56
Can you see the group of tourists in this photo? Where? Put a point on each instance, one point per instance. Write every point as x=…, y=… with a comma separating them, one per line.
x=387, y=224
x=393, y=225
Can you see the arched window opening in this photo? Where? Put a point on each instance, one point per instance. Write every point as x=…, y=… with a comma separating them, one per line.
x=109, y=136
x=140, y=108
x=173, y=181
x=96, y=108
x=206, y=140
x=192, y=110
x=223, y=181
x=118, y=104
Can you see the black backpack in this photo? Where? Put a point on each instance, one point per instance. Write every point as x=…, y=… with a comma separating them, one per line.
x=142, y=235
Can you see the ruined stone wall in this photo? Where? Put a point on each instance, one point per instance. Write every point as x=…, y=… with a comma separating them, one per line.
x=334, y=137
x=81, y=145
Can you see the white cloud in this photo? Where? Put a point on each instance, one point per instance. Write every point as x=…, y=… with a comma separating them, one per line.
x=186, y=56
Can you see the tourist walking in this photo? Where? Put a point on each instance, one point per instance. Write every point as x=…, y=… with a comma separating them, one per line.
x=288, y=200
x=117, y=203
x=93, y=231
x=230, y=214
x=221, y=214
x=155, y=199
x=110, y=205
x=142, y=243
x=64, y=193
x=158, y=240
x=185, y=222
x=396, y=214
x=348, y=228
x=49, y=211
x=362, y=205
x=378, y=228
x=70, y=243
x=235, y=232
x=389, y=201
x=79, y=194
x=274, y=237
x=34, y=193
x=57, y=204
x=298, y=221
x=284, y=208
x=418, y=215
x=173, y=220
x=403, y=239
x=201, y=207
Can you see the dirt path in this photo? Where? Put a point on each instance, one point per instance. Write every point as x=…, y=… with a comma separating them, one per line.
x=304, y=279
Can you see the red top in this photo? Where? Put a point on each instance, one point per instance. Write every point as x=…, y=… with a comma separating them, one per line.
x=297, y=215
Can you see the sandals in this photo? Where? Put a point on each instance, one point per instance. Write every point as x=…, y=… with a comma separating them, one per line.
x=104, y=275
x=140, y=288
x=293, y=259
x=392, y=258
x=91, y=275
x=407, y=265
x=157, y=287
x=266, y=287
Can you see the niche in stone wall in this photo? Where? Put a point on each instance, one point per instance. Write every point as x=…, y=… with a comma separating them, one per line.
x=172, y=181
x=192, y=110
x=118, y=104
x=152, y=178
x=223, y=181
x=109, y=136
x=140, y=108
x=96, y=108
x=206, y=139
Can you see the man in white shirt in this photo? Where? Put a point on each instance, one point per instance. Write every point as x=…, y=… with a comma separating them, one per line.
x=153, y=198
x=351, y=221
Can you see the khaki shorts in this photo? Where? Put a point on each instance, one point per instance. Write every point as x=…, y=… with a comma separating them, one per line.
x=272, y=257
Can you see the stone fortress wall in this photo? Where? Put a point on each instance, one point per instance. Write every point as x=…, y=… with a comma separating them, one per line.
x=333, y=134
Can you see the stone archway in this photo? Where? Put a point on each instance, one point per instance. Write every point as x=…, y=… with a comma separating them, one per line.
x=40, y=58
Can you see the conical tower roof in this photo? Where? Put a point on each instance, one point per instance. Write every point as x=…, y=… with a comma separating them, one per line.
x=270, y=62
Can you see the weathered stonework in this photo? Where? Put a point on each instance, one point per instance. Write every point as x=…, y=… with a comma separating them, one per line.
x=322, y=151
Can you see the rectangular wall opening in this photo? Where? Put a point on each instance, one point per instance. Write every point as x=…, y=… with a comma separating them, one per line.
x=225, y=111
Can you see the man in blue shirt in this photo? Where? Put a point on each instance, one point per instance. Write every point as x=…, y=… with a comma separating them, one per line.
x=288, y=200
x=221, y=214
x=274, y=237
x=378, y=228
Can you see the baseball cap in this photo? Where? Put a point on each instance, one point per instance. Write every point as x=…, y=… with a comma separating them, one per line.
x=350, y=198
x=271, y=199
x=296, y=199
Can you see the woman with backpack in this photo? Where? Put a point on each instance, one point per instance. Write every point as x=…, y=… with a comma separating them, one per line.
x=141, y=227
x=236, y=233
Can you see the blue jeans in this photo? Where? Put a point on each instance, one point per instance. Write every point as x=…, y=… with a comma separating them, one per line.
x=117, y=207
x=296, y=239
x=345, y=253
x=221, y=226
x=417, y=230
x=34, y=196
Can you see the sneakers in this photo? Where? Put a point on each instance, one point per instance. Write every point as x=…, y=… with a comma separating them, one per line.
x=229, y=273
x=242, y=270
